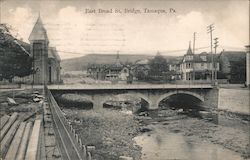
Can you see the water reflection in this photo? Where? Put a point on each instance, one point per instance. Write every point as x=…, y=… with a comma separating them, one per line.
x=161, y=144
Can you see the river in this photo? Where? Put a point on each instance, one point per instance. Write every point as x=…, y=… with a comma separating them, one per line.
x=162, y=144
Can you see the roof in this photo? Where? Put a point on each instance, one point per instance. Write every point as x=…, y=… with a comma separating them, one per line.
x=38, y=32
x=52, y=53
x=189, y=51
x=142, y=62
x=199, y=57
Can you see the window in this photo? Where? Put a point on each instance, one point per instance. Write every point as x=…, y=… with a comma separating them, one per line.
x=189, y=57
x=204, y=58
x=188, y=65
x=37, y=50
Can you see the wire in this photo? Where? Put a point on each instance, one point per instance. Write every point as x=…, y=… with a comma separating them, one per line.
x=141, y=52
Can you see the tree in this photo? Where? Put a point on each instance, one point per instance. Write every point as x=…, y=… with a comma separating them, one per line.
x=14, y=59
x=158, y=66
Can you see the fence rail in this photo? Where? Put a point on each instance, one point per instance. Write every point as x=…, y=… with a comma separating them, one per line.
x=69, y=142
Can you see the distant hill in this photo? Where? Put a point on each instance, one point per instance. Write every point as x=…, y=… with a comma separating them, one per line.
x=80, y=63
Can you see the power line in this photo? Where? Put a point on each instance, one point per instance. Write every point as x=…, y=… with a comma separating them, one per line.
x=162, y=52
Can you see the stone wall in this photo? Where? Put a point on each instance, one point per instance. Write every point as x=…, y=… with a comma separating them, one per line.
x=211, y=99
x=234, y=100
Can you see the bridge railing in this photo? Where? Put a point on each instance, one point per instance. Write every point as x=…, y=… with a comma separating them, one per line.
x=80, y=148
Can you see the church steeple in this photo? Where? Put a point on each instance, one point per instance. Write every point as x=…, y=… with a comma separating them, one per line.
x=38, y=32
x=189, y=51
x=118, y=63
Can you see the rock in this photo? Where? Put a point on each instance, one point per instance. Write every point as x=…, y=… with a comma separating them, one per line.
x=143, y=114
x=11, y=101
x=180, y=111
x=4, y=104
x=145, y=129
x=36, y=92
x=40, y=96
x=206, y=115
x=56, y=153
x=161, y=115
x=36, y=100
x=90, y=149
x=125, y=158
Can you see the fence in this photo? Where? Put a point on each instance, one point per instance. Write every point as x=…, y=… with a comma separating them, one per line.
x=68, y=133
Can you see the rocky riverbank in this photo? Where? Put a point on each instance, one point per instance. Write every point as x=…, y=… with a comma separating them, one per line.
x=234, y=137
x=112, y=132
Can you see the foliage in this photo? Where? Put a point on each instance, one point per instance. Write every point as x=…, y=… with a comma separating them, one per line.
x=238, y=71
x=158, y=66
x=14, y=59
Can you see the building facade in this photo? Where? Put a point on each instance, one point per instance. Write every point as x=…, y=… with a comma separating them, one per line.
x=112, y=72
x=46, y=61
x=198, y=66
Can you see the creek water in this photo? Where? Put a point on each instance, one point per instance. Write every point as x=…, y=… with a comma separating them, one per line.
x=161, y=144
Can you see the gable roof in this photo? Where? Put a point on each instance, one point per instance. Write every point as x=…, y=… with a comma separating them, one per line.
x=197, y=58
x=38, y=32
x=52, y=53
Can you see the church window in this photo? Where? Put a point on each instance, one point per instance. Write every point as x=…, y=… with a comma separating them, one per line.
x=37, y=50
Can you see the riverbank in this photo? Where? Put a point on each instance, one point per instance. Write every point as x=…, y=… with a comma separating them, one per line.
x=111, y=132
x=234, y=138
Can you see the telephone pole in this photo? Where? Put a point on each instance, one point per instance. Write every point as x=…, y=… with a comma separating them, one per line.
x=215, y=49
x=193, y=53
x=194, y=42
x=210, y=30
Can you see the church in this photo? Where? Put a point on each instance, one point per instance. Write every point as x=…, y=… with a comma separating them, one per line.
x=46, y=60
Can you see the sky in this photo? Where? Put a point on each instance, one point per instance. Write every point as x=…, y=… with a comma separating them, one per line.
x=76, y=33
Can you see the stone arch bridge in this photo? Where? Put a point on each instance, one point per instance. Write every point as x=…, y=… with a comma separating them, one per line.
x=153, y=94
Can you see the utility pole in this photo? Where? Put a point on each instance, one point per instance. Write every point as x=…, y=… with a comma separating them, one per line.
x=193, y=53
x=194, y=43
x=215, y=49
x=210, y=30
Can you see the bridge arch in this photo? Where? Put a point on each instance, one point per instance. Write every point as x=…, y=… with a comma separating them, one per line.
x=166, y=95
x=106, y=98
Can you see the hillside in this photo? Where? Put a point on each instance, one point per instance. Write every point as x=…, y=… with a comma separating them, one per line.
x=80, y=63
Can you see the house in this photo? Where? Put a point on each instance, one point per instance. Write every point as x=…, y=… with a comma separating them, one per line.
x=174, y=69
x=97, y=71
x=111, y=72
x=198, y=66
x=117, y=71
x=140, y=69
x=233, y=66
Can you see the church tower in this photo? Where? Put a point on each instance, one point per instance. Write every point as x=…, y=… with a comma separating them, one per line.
x=39, y=50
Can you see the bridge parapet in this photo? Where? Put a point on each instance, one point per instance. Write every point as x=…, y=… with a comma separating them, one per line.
x=99, y=94
x=128, y=86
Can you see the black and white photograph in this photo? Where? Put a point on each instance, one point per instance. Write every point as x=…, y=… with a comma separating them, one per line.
x=124, y=80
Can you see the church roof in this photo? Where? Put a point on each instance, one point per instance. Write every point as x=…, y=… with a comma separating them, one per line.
x=38, y=32
x=52, y=53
